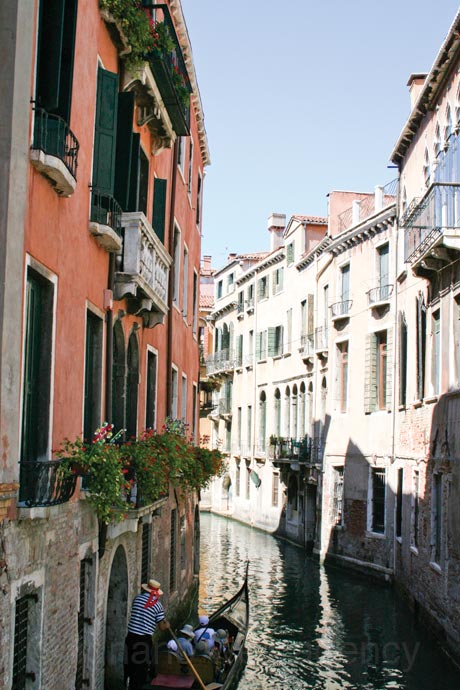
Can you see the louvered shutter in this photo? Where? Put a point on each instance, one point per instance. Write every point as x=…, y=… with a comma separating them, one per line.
x=310, y=326
x=105, y=132
x=389, y=377
x=271, y=342
x=370, y=375
x=159, y=207
x=124, y=148
x=134, y=178
x=258, y=345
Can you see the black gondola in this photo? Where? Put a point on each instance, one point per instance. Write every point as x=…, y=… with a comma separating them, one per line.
x=173, y=671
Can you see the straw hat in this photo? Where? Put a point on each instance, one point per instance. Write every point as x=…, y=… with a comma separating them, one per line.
x=151, y=585
x=188, y=631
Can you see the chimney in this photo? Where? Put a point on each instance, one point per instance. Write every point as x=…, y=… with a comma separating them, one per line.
x=207, y=262
x=415, y=84
x=276, y=227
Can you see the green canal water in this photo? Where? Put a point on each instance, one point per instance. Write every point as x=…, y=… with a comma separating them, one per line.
x=316, y=627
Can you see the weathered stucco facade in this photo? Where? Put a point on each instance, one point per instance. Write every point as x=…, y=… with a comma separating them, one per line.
x=100, y=228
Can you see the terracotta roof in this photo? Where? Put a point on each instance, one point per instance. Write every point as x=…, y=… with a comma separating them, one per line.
x=206, y=301
x=312, y=220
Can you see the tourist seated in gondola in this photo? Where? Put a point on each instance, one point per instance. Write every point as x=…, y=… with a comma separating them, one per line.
x=204, y=632
x=202, y=649
x=186, y=635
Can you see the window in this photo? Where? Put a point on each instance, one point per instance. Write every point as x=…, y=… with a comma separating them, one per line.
x=415, y=508
x=294, y=412
x=402, y=359
x=383, y=271
x=342, y=376
x=378, y=379
x=275, y=489
x=23, y=651
x=345, y=283
x=436, y=351
x=238, y=427
x=184, y=398
x=248, y=480
x=290, y=253
x=436, y=519
x=302, y=402
x=55, y=55
x=240, y=302
x=262, y=420
x=277, y=412
x=183, y=560
x=448, y=128
x=399, y=503
x=172, y=555
x=287, y=411
x=228, y=437
x=198, y=199
x=426, y=168
x=377, y=500
x=159, y=208
x=250, y=297
x=174, y=392
x=185, y=285
x=249, y=427
x=118, y=376
x=190, y=168
x=262, y=288
x=275, y=341
x=337, y=502
x=261, y=346
x=36, y=403
x=176, y=265
x=278, y=280
x=194, y=409
x=195, y=302
x=421, y=345
x=238, y=478
x=93, y=375
x=230, y=282
x=289, y=330
x=181, y=153
x=143, y=183
x=239, y=350
x=303, y=319
x=219, y=289
x=132, y=386
x=325, y=304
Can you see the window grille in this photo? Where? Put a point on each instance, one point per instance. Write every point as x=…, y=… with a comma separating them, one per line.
x=338, y=496
x=21, y=634
x=80, y=681
x=378, y=500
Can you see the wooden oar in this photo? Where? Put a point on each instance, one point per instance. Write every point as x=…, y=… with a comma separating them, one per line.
x=187, y=659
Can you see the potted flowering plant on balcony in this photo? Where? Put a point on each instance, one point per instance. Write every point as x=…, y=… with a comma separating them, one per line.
x=100, y=462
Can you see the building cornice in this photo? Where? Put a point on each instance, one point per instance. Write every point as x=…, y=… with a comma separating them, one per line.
x=320, y=248
x=362, y=232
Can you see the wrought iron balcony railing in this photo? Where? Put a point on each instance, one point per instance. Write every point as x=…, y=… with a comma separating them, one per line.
x=105, y=210
x=43, y=483
x=368, y=206
x=321, y=338
x=436, y=218
x=379, y=294
x=53, y=136
x=341, y=309
x=168, y=67
x=307, y=345
x=223, y=360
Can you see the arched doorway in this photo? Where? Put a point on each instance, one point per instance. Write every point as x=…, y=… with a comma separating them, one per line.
x=115, y=622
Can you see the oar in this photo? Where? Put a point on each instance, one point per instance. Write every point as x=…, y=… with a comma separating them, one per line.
x=187, y=659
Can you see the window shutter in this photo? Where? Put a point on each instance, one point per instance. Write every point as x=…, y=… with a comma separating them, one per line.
x=258, y=345
x=124, y=148
x=281, y=276
x=159, y=207
x=310, y=326
x=31, y=370
x=370, y=379
x=67, y=57
x=402, y=359
x=133, y=192
x=389, y=381
x=50, y=39
x=271, y=341
x=105, y=132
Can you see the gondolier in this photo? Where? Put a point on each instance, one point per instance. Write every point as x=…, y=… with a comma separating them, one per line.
x=147, y=613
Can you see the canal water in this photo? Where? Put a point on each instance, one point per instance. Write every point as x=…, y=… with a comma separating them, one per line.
x=316, y=627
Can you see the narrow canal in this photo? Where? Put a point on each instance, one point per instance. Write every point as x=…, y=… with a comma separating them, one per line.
x=316, y=627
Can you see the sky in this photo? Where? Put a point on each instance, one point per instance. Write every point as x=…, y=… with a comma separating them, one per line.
x=301, y=97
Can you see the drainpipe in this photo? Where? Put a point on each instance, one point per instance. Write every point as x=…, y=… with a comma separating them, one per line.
x=109, y=342
x=171, y=277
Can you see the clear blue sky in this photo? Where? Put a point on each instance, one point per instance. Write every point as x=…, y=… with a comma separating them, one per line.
x=301, y=97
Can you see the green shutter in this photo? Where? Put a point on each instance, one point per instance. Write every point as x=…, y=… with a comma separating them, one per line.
x=389, y=377
x=50, y=39
x=370, y=374
x=133, y=193
x=310, y=323
x=31, y=392
x=272, y=342
x=124, y=148
x=159, y=207
x=105, y=132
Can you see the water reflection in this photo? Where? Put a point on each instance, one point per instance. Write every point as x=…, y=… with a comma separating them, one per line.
x=312, y=627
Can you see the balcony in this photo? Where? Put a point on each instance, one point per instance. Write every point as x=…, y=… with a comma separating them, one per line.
x=288, y=451
x=43, y=483
x=432, y=228
x=144, y=272
x=170, y=73
x=379, y=296
x=54, y=151
x=341, y=310
x=225, y=408
x=321, y=340
x=105, y=221
x=220, y=362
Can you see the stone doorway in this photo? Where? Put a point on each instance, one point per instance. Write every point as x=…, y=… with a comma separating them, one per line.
x=116, y=620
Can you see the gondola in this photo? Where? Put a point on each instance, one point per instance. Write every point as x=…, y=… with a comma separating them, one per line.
x=175, y=671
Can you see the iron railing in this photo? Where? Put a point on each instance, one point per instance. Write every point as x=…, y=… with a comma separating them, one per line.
x=223, y=360
x=379, y=294
x=307, y=450
x=307, y=344
x=44, y=483
x=105, y=210
x=321, y=338
x=367, y=206
x=53, y=136
x=437, y=212
x=341, y=308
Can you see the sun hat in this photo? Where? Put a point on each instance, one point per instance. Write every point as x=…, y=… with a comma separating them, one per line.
x=188, y=630
x=220, y=636
x=204, y=620
x=152, y=585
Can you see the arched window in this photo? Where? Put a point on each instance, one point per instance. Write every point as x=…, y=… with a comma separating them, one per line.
x=302, y=410
x=132, y=386
x=437, y=142
x=310, y=409
x=426, y=168
x=262, y=420
x=277, y=412
x=118, y=377
x=287, y=411
x=448, y=128
x=225, y=337
x=294, y=421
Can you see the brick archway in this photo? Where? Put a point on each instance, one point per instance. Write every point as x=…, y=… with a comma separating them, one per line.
x=115, y=623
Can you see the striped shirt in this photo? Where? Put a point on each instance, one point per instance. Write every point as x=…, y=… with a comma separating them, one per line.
x=144, y=621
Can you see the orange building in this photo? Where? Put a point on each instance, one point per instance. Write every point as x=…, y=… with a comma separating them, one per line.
x=104, y=155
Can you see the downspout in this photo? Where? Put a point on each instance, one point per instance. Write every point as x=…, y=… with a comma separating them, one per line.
x=171, y=278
